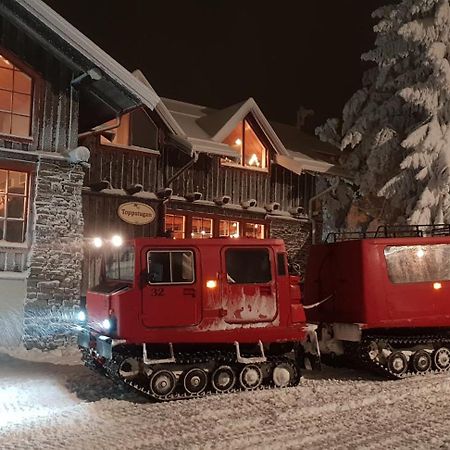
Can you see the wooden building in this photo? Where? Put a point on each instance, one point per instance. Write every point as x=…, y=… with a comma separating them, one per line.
x=206, y=173
x=88, y=149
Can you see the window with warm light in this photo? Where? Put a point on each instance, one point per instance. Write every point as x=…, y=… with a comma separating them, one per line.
x=229, y=228
x=176, y=224
x=13, y=205
x=254, y=230
x=202, y=228
x=251, y=152
x=136, y=129
x=16, y=90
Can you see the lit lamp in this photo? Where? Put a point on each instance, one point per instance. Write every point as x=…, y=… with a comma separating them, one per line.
x=254, y=161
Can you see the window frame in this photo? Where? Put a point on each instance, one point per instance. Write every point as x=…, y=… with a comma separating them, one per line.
x=264, y=143
x=34, y=107
x=105, y=142
x=395, y=278
x=183, y=232
x=26, y=207
x=188, y=215
x=253, y=249
x=170, y=251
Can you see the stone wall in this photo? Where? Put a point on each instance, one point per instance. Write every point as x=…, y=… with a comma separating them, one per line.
x=297, y=237
x=55, y=259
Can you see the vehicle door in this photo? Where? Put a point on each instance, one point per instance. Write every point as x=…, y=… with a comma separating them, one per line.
x=248, y=288
x=171, y=293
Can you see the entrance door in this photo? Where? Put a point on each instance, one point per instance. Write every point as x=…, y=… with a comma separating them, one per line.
x=171, y=296
x=249, y=290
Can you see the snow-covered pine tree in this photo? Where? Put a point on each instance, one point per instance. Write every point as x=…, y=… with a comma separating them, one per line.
x=398, y=124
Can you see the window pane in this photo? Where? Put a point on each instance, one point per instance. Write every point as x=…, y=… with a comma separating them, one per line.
x=5, y=63
x=16, y=207
x=2, y=230
x=2, y=205
x=3, y=176
x=246, y=266
x=17, y=182
x=281, y=263
x=201, y=228
x=6, y=79
x=418, y=263
x=5, y=100
x=20, y=125
x=5, y=123
x=144, y=133
x=121, y=134
x=119, y=264
x=182, y=267
x=254, y=230
x=254, y=151
x=175, y=224
x=235, y=141
x=229, y=228
x=22, y=82
x=21, y=104
x=14, y=231
x=158, y=267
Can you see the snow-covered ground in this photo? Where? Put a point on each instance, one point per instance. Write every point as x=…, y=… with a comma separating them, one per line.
x=51, y=401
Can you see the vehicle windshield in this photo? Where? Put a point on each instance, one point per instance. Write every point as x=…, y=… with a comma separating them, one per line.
x=119, y=264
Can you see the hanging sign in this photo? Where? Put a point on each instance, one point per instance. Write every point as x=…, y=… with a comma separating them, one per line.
x=136, y=213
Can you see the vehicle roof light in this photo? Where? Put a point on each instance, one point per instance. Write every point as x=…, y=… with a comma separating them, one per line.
x=437, y=285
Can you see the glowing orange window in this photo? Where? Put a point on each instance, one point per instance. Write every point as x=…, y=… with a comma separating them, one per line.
x=254, y=230
x=176, y=224
x=250, y=151
x=229, y=228
x=16, y=91
x=202, y=228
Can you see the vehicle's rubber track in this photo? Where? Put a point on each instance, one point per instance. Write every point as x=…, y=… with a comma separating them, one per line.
x=191, y=360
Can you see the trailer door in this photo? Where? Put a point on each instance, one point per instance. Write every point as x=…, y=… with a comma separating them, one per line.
x=249, y=290
x=171, y=293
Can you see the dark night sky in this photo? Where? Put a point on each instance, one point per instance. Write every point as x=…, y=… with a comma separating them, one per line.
x=218, y=52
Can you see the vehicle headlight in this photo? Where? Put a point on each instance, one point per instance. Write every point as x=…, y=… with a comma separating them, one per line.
x=81, y=316
x=106, y=324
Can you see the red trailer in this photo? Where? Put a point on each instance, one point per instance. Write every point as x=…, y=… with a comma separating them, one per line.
x=174, y=318
x=383, y=298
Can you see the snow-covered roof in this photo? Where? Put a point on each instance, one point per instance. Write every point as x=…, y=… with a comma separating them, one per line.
x=297, y=151
x=42, y=22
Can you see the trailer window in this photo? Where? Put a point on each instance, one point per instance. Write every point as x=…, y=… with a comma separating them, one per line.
x=418, y=263
x=119, y=265
x=248, y=266
x=170, y=267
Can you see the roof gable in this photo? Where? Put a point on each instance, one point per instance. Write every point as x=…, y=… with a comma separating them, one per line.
x=221, y=123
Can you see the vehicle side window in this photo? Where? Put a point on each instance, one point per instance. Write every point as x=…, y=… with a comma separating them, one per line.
x=170, y=267
x=281, y=263
x=248, y=266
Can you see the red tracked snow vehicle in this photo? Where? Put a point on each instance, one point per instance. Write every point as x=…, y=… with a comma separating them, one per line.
x=383, y=298
x=177, y=318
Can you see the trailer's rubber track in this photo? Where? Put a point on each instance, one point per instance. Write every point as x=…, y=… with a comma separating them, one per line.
x=360, y=353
